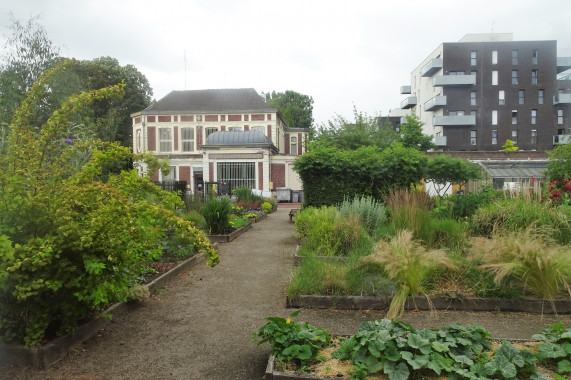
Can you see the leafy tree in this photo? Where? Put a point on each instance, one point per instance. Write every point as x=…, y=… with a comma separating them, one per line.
x=412, y=137
x=296, y=108
x=509, y=146
x=446, y=171
x=363, y=131
x=559, y=164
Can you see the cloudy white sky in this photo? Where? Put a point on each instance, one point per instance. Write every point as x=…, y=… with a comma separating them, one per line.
x=342, y=53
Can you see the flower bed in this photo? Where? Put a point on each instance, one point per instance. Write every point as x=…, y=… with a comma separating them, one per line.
x=231, y=236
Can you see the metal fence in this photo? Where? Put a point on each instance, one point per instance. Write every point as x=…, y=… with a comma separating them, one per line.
x=237, y=174
x=178, y=186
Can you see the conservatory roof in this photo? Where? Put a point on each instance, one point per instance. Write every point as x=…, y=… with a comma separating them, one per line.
x=517, y=169
x=238, y=138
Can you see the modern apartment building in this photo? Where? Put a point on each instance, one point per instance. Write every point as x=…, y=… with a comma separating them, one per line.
x=475, y=94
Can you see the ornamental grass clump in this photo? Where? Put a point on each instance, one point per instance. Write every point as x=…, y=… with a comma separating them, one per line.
x=371, y=213
x=406, y=262
x=410, y=209
x=217, y=215
x=541, y=267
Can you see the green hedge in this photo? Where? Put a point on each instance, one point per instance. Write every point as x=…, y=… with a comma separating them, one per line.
x=330, y=175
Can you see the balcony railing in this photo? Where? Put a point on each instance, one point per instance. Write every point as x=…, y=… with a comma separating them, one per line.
x=405, y=89
x=431, y=67
x=409, y=102
x=562, y=139
x=454, y=120
x=454, y=80
x=562, y=99
x=439, y=140
x=563, y=64
x=435, y=103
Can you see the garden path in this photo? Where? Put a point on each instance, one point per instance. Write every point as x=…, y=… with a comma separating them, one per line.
x=199, y=327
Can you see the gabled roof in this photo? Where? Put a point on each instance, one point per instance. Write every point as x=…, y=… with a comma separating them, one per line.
x=238, y=138
x=234, y=100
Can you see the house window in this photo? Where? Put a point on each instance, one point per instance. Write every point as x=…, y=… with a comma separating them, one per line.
x=237, y=174
x=541, y=96
x=514, y=116
x=171, y=176
x=187, y=138
x=534, y=136
x=210, y=130
x=521, y=96
x=501, y=97
x=534, y=74
x=293, y=145
x=514, y=77
x=165, y=140
x=534, y=56
x=494, y=57
x=494, y=78
x=494, y=137
x=559, y=116
x=514, y=136
x=258, y=129
x=234, y=128
x=515, y=54
x=495, y=117
x=472, y=98
x=533, y=116
x=474, y=73
x=473, y=56
x=472, y=137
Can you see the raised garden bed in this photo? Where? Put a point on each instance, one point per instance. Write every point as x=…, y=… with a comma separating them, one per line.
x=440, y=303
x=231, y=236
x=46, y=354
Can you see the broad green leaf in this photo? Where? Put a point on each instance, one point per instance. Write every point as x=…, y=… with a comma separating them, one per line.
x=551, y=350
x=439, y=347
x=564, y=366
x=396, y=372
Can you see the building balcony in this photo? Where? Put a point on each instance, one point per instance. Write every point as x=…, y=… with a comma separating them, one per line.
x=562, y=139
x=435, y=103
x=454, y=80
x=439, y=140
x=454, y=120
x=563, y=64
x=562, y=99
x=405, y=89
x=409, y=102
x=431, y=67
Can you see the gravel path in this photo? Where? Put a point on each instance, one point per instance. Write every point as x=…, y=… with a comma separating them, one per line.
x=199, y=327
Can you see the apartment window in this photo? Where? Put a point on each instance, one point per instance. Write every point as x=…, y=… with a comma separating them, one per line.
x=473, y=56
x=514, y=77
x=514, y=136
x=559, y=116
x=534, y=56
x=541, y=96
x=187, y=138
x=472, y=137
x=521, y=96
x=515, y=54
x=534, y=74
x=494, y=137
x=514, y=116
x=534, y=136
x=494, y=57
x=472, y=98
x=165, y=140
x=494, y=78
x=495, y=117
x=501, y=97
x=456, y=73
x=210, y=130
x=455, y=113
x=533, y=116
x=293, y=145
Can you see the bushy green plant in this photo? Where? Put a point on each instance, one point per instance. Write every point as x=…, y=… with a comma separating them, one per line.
x=216, y=214
x=267, y=206
x=244, y=194
x=541, y=267
x=446, y=233
x=290, y=340
x=410, y=209
x=272, y=202
x=555, y=348
x=510, y=363
x=460, y=206
x=407, y=262
x=371, y=213
x=399, y=350
x=318, y=276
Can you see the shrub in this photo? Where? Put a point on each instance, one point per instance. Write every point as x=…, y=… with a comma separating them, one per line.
x=267, y=206
x=244, y=194
x=217, y=215
x=371, y=213
x=272, y=202
x=317, y=276
x=409, y=209
x=460, y=206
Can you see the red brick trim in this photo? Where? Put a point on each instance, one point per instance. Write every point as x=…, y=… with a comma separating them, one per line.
x=211, y=171
x=246, y=127
x=260, y=175
x=164, y=119
x=278, y=175
x=152, y=139
x=234, y=117
x=269, y=134
x=299, y=146
x=175, y=138
x=187, y=118
x=258, y=117
x=151, y=119
x=287, y=141
x=211, y=118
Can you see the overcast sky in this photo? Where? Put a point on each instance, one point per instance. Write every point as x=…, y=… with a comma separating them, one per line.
x=342, y=53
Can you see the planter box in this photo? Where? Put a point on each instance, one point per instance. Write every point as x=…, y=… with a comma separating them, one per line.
x=44, y=355
x=259, y=218
x=231, y=236
x=526, y=305
x=272, y=374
